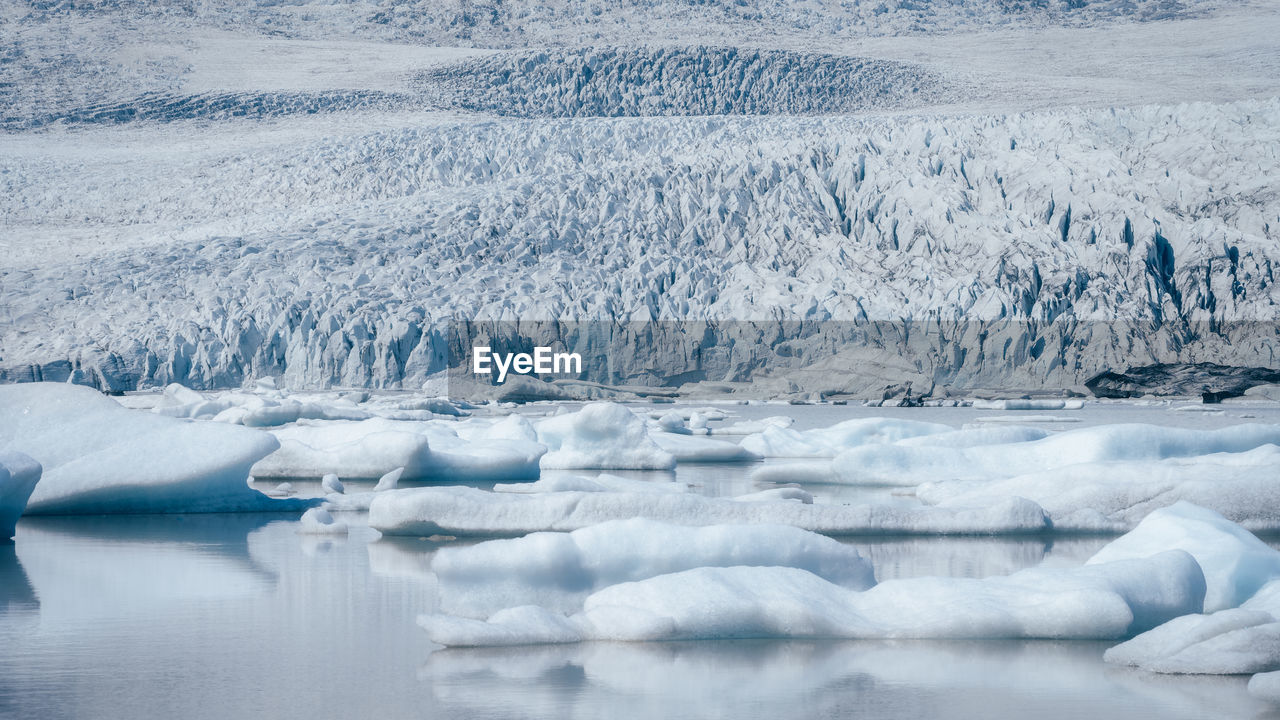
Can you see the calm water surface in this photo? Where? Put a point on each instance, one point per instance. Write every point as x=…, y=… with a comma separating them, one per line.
x=222, y=616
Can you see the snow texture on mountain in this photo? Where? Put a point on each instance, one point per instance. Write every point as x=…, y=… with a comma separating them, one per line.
x=349, y=195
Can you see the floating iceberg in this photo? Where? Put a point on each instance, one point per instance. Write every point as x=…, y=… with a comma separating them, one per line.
x=902, y=465
x=830, y=441
x=1230, y=642
x=601, y=483
x=695, y=449
x=18, y=477
x=1266, y=686
x=559, y=569
x=600, y=436
x=1236, y=564
x=99, y=457
x=464, y=511
x=318, y=521
x=1096, y=602
x=373, y=447
x=1115, y=496
x=1243, y=584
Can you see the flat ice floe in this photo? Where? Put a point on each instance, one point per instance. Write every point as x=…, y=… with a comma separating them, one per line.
x=557, y=570
x=99, y=457
x=900, y=465
x=1150, y=585
x=464, y=511
x=782, y=441
x=1115, y=496
x=371, y=448
x=18, y=477
x=1096, y=602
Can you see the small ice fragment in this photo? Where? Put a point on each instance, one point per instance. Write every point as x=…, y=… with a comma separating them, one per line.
x=390, y=480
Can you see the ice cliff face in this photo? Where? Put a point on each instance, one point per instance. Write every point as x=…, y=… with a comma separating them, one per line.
x=1039, y=230
x=162, y=228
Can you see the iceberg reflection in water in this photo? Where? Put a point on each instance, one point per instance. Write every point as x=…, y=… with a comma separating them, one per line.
x=216, y=616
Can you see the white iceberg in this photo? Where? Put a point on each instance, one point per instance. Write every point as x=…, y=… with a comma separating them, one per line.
x=1236, y=564
x=1266, y=686
x=464, y=511
x=603, y=482
x=18, y=477
x=830, y=441
x=99, y=457
x=697, y=449
x=1242, y=576
x=318, y=521
x=1230, y=642
x=373, y=447
x=331, y=484
x=1096, y=602
x=1115, y=496
x=553, y=569
x=600, y=436
x=903, y=465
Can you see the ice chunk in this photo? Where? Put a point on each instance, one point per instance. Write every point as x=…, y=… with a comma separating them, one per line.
x=1028, y=404
x=1236, y=564
x=389, y=481
x=559, y=569
x=830, y=441
x=1230, y=642
x=99, y=457
x=1266, y=686
x=672, y=422
x=751, y=427
x=331, y=484
x=602, y=436
x=371, y=448
x=904, y=465
x=601, y=483
x=1097, y=602
x=318, y=521
x=366, y=449
x=781, y=493
x=464, y=511
x=977, y=437
x=1110, y=496
x=18, y=477
x=511, y=427
x=694, y=449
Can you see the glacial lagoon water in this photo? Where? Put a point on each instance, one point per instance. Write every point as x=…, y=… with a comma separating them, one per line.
x=209, y=616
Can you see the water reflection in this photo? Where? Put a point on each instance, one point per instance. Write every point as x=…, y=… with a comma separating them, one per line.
x=88, y=568
x=15, y=591
x=812, y=679
x=225, y=616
